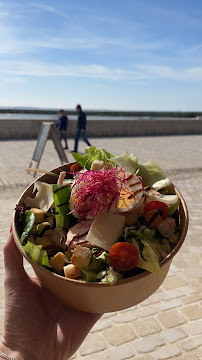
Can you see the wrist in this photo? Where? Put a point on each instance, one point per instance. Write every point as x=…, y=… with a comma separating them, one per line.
x=13, y=351
x=10, y=352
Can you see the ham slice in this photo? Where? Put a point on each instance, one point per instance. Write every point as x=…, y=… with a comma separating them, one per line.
x=78, y=230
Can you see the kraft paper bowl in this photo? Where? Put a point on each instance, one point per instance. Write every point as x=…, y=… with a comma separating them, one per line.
x=99, y=297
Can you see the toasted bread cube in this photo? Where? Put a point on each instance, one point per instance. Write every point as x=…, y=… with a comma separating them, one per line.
x=81, y=256
x=39, y=215
x=45, y=241
x=58, y=261
x=97, y=165
x=72, y=271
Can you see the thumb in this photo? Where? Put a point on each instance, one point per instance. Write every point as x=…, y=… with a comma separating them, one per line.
x=13, y=261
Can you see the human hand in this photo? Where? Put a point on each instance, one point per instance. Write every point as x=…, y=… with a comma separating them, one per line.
x=37, y=326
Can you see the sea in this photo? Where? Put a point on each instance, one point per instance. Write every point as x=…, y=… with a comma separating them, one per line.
x=48, y=117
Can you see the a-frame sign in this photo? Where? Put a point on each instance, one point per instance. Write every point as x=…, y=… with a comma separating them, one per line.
x=47, y=128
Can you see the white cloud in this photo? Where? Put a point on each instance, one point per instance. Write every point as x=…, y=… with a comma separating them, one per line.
x=49, y=9
x=95, y=71
x=14, y=80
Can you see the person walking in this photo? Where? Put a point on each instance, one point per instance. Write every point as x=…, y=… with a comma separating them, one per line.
x=81, y=128
x=62, y=125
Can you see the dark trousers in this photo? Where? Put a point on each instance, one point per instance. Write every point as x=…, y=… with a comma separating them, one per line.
x=80, y=133
x=63, y=136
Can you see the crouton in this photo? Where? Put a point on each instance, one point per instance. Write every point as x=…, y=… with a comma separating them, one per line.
x=81, y=256
x=58, y=261
x=39, y=215
x=72, y=271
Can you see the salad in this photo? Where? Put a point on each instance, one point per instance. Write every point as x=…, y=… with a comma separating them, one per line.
x=107, y=218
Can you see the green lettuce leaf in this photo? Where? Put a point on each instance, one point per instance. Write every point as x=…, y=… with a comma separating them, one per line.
x=128, y=162
x=36, y=254
x=148, y=259
x=110, y=276
x=61, y=200
x=91, y=153
x=29, y=220
x=173, y=208
x=89, y=276
x=104, y=257
x=153, y=175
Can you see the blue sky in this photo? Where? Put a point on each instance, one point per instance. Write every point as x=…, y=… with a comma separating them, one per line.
x=121, y=55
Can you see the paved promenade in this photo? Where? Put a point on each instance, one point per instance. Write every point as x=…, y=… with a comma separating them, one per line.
x=168, y=325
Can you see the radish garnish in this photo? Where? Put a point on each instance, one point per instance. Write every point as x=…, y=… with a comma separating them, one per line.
x=94, y=191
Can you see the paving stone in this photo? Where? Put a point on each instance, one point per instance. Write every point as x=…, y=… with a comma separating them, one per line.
x=191, y=298
x=171, y=318
x=125, y=316
x=192, y=343
x=170, y=294
x=92, y=344
x=149, y=343
x=146, y=311
x=121, y=352
x=119, y=334
x=175, y=334
x=198, y=352
x=144, y=357
x=108, y=315
x=173, y=283
x=92, y=357
x=167, y=352
x=151, y=300
x=169, y=305
x=146, y=327
x=194, y=327
x=192, y=312
x=100, y=325
x=190, y=356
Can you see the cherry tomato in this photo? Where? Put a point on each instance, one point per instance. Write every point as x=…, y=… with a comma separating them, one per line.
x=123, y=256
x=75, y=168
x=157, y=205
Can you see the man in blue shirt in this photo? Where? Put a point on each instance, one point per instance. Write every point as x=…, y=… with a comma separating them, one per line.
x=81, y=127
x=62, y=124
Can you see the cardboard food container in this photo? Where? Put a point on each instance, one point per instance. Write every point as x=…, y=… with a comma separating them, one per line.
x=99, y=297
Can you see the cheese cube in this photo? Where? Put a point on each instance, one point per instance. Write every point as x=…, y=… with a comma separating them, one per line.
x=105, y=230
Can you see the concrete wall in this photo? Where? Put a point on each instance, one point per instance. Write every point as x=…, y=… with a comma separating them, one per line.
x=19, y=129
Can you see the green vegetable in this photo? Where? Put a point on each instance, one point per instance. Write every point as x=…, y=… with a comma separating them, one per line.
x=173, y=208
x=110, y=276
x=91, y=153
x=29, y=220
x=61, y=200
x=128, y=162
x=36, y=254
x=148, y=259
x=89, y=276
x=153, y=175
x=104, y=257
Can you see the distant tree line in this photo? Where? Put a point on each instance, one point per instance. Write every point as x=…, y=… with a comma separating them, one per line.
x=187, y=114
